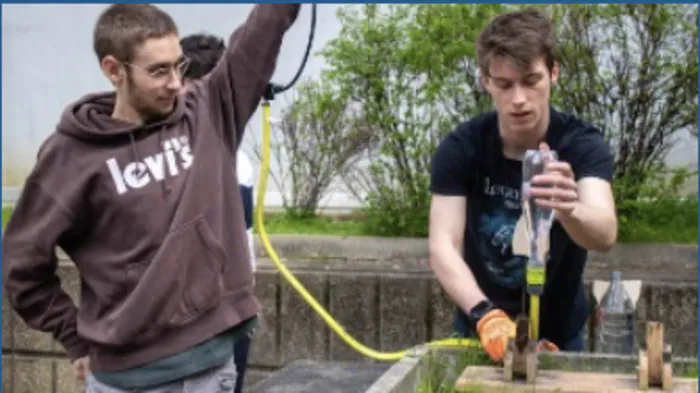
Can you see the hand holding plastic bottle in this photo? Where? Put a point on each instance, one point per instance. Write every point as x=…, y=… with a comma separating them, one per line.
x=556, y=188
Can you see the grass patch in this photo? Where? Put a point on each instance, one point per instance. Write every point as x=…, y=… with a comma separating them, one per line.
x=280, y=223
x=675, y=222
x=444, y=367
x=659, y=222
x=689, y=372
x=6, y=212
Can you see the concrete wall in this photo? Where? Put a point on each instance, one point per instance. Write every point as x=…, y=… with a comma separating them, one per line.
x=380, y=290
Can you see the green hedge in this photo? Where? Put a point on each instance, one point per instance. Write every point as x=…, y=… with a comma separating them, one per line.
x=663, y=221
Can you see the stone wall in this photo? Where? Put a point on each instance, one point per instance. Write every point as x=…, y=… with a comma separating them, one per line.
x=380, y=290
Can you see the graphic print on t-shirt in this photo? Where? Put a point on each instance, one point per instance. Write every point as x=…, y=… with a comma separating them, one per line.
x=500, y=211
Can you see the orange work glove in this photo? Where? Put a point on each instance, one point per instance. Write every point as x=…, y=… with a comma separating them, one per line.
x=494, y=329
x=547, y=346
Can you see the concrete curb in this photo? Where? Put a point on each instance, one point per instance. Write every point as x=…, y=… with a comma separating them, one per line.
x=403, y=376
x=406, y=375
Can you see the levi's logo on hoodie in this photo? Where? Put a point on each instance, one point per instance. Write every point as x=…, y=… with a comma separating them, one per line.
x=175, y=158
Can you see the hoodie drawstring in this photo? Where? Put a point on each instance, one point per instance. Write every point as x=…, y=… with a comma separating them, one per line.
x=133, y=147
x=165, y=188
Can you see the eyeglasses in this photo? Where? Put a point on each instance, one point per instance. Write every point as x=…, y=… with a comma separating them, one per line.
x=163, y=72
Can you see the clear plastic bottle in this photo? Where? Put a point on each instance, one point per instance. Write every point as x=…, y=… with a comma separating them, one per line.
x=615, y=333
x=538, y=219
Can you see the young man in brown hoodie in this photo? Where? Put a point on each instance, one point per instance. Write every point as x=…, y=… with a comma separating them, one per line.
x=139, y=188
x=204, y=52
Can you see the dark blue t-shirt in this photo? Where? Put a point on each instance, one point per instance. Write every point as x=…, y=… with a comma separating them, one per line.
x=469, y=162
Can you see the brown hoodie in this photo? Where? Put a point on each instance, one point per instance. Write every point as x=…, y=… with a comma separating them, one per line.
x=151, y=215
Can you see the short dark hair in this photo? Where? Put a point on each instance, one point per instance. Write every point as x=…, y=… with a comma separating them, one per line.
x=204, y=51
x=522, y=36
x=122, y=27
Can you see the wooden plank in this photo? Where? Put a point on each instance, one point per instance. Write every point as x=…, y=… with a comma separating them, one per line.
x=655, y=350
x=490, y=379
x=643, y=371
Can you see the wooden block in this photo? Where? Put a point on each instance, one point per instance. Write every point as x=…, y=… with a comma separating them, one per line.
x=531, y=365
x=490, y=379
x=655, y=350
x=508, y=362
x=643, y=372
x=520, y=364
x=667, y=383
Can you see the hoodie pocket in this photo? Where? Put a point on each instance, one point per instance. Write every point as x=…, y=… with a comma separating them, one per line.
x=181, y=283
x=197, y=260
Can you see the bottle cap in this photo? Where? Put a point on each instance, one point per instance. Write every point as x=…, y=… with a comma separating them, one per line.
x=615, y=275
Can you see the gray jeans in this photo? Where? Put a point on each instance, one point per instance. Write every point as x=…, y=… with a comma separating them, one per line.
x=218, y=380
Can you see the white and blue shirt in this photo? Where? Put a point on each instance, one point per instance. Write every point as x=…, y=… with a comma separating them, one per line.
x=244, y=171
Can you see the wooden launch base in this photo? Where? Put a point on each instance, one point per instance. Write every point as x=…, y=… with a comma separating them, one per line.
x=485, y=379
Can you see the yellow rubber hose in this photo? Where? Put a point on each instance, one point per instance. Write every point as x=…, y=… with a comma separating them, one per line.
x=310, y=300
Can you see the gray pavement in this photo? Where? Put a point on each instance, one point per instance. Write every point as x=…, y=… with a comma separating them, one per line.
x=305, y=376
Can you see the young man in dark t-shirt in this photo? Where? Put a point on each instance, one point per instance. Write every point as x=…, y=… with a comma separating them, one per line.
x=476, y=193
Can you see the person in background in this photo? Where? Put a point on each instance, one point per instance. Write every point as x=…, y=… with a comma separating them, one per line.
x=476, y=190
x=204, y=52
x=138, y=186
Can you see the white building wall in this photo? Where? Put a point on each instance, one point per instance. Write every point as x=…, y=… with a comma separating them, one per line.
x=48, y=61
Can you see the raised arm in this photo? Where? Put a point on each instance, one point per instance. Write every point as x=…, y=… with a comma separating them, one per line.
x=29, y=267
x=237, y=83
